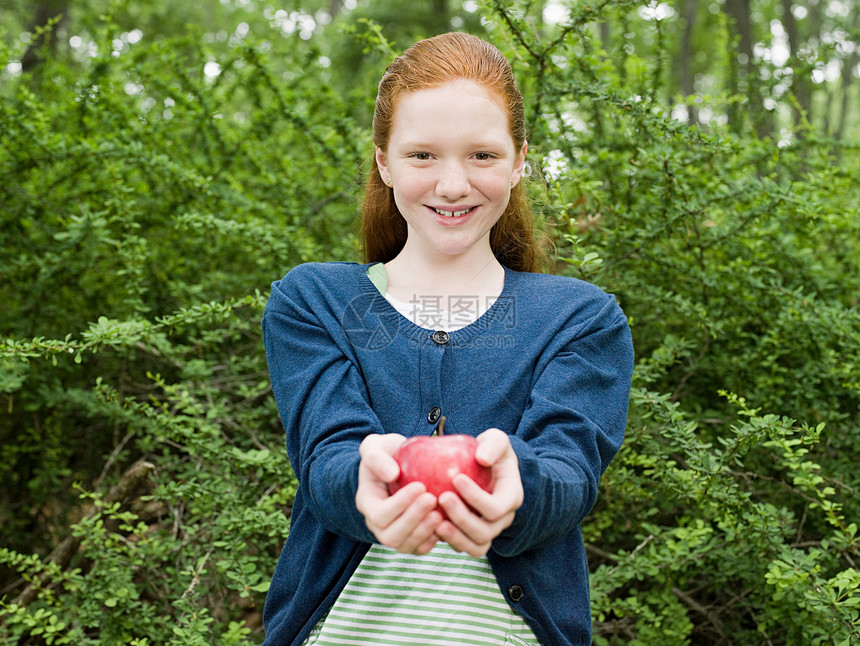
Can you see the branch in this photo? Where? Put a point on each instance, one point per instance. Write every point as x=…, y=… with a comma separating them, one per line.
x=69, y=546
x=691, y=603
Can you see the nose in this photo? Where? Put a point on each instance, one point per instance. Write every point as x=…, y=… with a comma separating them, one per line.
x=453, y=181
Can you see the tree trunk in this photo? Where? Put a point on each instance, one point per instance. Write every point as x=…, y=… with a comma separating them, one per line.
x=744, y=77
x=45, y=11
x=685, y=72
x=441, y=11
x=800, y=78
x=604, y=35
x=848, y=66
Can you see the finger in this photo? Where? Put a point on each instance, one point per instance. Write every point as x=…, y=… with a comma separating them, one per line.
x=372, y=490
x=377, y=455
x=381, y=509
x=506, y=497
x=426, y=546
x=459, y=540
x=424, y=538
x=478, y=530
x=414, y=527
x=493, y=444
x=388, y=442
x=382, y=466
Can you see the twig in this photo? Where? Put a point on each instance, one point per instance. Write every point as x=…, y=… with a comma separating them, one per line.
x=113, y=456
x=691, y=603
x=195, y=576
x=647, y=540
x=69, y=546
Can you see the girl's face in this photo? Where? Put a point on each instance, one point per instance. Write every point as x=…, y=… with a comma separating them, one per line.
x=452, y=162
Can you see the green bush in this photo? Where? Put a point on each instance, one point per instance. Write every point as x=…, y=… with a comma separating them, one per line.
x=141, y=225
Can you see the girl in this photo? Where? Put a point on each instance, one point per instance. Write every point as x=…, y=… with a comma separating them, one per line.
x=450, y=316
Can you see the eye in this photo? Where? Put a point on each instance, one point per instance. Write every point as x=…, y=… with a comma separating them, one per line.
x=420, y=155
x=484, y=156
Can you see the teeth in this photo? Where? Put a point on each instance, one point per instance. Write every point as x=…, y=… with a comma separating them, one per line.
x=451, y=214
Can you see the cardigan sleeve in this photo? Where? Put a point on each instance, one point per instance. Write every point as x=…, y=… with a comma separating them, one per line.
x=322, y=401
x=571, y=429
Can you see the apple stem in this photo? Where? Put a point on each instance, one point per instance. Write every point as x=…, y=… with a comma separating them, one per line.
x=441, y=428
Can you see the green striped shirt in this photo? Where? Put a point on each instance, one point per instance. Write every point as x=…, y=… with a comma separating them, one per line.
x=443, y=598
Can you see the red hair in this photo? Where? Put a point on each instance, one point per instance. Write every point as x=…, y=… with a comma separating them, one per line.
x=428, y=64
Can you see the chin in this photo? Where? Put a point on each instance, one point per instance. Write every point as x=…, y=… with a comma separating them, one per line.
x=454, y=251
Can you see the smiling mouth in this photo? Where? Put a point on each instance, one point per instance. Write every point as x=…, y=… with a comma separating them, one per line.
x=453, y=214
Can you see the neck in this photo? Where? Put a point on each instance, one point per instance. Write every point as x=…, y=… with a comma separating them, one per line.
x=468, y=274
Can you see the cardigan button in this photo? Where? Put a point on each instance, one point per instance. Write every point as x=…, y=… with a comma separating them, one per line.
x=434, y=414
x=440, y=337
x=516, y=592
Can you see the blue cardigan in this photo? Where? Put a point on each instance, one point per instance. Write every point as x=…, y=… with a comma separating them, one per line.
x=550, y=363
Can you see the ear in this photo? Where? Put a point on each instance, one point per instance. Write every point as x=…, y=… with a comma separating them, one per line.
x=519, y=164
x=382, y=164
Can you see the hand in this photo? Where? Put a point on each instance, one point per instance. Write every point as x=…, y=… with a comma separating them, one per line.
x=407, y=520
x=473, y=530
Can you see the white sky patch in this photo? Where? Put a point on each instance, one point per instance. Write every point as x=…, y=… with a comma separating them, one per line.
x=242, y=30
x=132, y=37
x=211, y=70
x=829, y=73
x=290, y=22
x=470, y=6
x=777, y=53
x=13, y=68
x=555, y=12
x=844, y=44
x=837, y=8
x=779, y=46
x=554, y=165
x=680, y=112
x=657, y=11
x=779, y=89
x=571, y=121
x=83, y=48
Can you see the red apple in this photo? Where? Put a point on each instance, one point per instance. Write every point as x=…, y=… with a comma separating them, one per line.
x=435, y=461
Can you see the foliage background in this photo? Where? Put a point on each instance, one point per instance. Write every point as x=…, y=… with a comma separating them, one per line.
x=161, y=164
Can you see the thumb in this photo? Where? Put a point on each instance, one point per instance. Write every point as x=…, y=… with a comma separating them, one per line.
x=377, y=455
x=493, y=445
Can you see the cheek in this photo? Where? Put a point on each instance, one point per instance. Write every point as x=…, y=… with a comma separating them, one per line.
x=409, y=184
x=497, y=184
